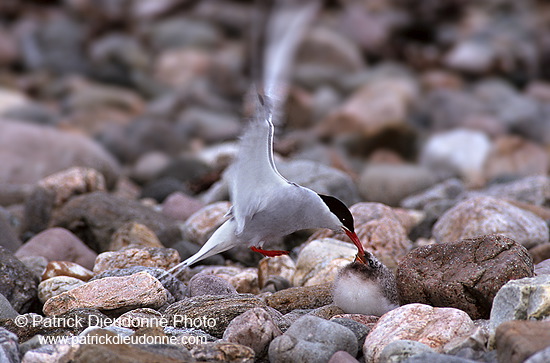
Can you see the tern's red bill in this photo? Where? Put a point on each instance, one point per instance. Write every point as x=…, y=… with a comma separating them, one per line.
x=357, y=243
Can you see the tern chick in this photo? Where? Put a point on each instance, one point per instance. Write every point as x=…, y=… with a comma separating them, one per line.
x=365, y=286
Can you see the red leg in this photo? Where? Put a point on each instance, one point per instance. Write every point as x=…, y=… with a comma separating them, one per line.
x=269, y=253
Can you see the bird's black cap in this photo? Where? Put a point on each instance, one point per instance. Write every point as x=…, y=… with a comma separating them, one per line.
x=340, y=210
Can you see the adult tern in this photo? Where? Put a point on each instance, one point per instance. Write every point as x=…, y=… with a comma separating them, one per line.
x=266, y=206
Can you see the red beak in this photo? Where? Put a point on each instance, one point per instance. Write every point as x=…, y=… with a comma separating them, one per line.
x=357, y=243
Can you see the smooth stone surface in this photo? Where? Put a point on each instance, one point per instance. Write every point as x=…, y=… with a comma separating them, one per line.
x=517, y=340
x=37, y=264
x=400, y=350
x=465, y=274
x=205, y=284
x=308, y=297
x=312, y=339
x=65, y=268
x=255, y=329
x=459, y=152
x=104, y=213
x=319, y=261
x=434, y=327
x=59, y=244
x=282, y=267
x=17, y=283
x=221, y=351
x=8, y=236
x=56, y=285
x=391, y=183
x=139, y=318
x=170, y=283
x=200, y=226
x=342, y=356
x=111, y=293
x=485, y=215
x=55, y=150
x=134, y=235
x=210, y=313
x=524, y=299
x=164, y=258
x=180, y=206
x=6, y=310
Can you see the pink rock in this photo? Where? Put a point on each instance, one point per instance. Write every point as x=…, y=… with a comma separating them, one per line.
x=180, y=206
x=58, y=244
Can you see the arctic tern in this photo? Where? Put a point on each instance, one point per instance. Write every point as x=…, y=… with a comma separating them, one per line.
x=266, y=206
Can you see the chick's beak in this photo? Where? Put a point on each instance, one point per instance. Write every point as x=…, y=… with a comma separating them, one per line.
x=360, y=251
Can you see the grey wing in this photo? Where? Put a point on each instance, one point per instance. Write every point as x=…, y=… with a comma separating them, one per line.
x=253, y=175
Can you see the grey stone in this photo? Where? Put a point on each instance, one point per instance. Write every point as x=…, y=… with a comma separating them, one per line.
x=9, y=350
x=436, y=358
x=400, y=350
x=523, y=299
x=205, y=284
x=312, y=339
x=17, y=283
x=8, y=236
x=360, y=330
x=541, y=356
x=6, y=310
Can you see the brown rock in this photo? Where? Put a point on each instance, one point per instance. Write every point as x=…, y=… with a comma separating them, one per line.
x=71, y=182
x=434, y=327
x=58, y=244
x=200, y=226
x=379, y=229
x=513, y=156
x=135, y=235
x=465, y=275
x=254, y=328
x=309, y=297
x=223, y=352
x=282, y=266
x=485, y=215
x=164, y=258
x=96, y=216
x=66, y=268
x=111, y=293
x=517, y=340
x=244, y=280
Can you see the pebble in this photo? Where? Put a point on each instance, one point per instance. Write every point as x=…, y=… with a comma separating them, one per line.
x=65, y=268
x=221, y=351
x=307, y=297
x=50, y=353
x=180, y=206
x=59, y=244
x=56, y=285
x=312, y=339
x=175, y=287
x=8, y=236
x=17, y=283
x=133, y=234
x=380, y=231
x=465, y=274
x=149, y=166
x=391, y=183
x=205, y=284
x=429, y=325
x=517, y=340
x=59, y=150
x=139, y=318
x=103, y=214
x=540, y=357
x=37, y=264
x=485, y=215
x=210, y=313
x=279, y=266
x=111, y=293
x=164, y=258
x=6, y=310
x=360, y=330
x=320, y=260
x=255, y=329
x=459, y=152
x=9, y=349
x=244, y=280
x=400, y=350
x=200, y=226
x=523, y=299
x=543, y=268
